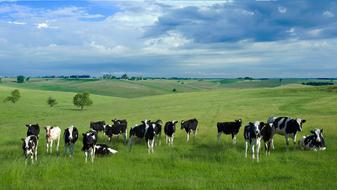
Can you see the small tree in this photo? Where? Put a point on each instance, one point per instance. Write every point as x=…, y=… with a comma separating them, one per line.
x=20, y=79
x=27, y=79
x=81, y=100
x=174, y=90
x=125, y=77
x=51, y=101
x=15, y=96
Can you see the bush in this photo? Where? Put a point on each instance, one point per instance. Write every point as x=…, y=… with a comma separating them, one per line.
x=174, y=90
x=81, y=100
x=15, y=96
x=20, y=79
x=51, y=101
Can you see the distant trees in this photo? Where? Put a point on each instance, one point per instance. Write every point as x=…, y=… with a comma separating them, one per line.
x=20, y=79
x=15, y=96
x=27, y=79
x=82, y=99
x=51, y=101
x=109, y=76
x=125, y=77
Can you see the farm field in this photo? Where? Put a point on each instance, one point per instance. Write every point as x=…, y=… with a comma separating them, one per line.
x=199, y=164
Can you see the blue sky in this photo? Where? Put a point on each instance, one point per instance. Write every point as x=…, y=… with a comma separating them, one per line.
x=169, y=38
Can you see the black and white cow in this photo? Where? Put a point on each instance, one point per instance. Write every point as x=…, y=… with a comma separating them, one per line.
x=29, y=147
x=89, y=142
x=287, y=127
x=252, y=136
x=229, y=128
x=169, y=130
x=97, y=125
x=150, y=136
x=122, y=126
x=33, y=129
x=190, y=126
x=138, y=131
x=103, y=149
x=70, y=138
x=314, y=141
x=157, y=130
x=52, y=134
x=267, y=134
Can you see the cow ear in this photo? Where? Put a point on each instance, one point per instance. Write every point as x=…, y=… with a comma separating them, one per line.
x=321, y=130
x=51, y=127
x=27, y=125
x=45, y=128
x=250, y=123
x=312, y=131
x=83, y=134
x=22, y=139
x=303, y=121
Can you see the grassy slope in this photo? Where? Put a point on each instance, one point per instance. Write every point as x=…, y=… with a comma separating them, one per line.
x=201, y=164
x=132, y=89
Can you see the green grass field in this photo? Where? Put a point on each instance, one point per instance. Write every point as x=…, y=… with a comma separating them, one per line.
x=199, y=164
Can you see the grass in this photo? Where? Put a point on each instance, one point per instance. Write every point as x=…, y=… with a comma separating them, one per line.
x=200, y=164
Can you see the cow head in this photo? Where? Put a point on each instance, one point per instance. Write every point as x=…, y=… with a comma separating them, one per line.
x=73, y=134
x=298, y=123
x=256, y=128
x=318, y=135
x=89, y=138
x=182, y=124
x=239, y=122
x=48, y=130
x=33, y=129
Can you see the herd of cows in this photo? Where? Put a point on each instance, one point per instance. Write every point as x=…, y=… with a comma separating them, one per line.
x=151, y=132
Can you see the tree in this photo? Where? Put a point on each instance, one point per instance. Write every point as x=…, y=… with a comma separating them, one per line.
x=20, y=79
x=82, y=99
x=27, y=79
x=15, y=96
x=174, y=90
x=125, y=76
x=51, y=101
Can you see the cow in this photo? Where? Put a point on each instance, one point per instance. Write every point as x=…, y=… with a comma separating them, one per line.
x=103, y=149
x=52, y=134
x=313, y=142
x=97, y=125
x=70, y=138
x=33, y=129
x=89, y=142
x=287, y=127
x=267, y=135
x=157, y=130
x=252, y=136
x=122, y=126
x=190, y=126
x=138, y=131
x=229, y=128
x=169, y=130
x=150, y=136
x=29, y=147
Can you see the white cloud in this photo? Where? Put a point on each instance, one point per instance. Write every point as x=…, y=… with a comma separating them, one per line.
x=42, y=25
x=282, y=9
x=328, y=14
x=17, y=23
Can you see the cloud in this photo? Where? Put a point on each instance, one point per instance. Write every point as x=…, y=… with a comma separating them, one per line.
x=17, y=23
x=42, y=25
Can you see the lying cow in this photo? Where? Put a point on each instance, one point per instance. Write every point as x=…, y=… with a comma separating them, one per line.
x=89, y=142
x=252, y=137
x=169, y=130
x=52, y=134
x=70, y=138
x=103, y=149
x=97, y=125
x=314, y=141
x=229, y=128
x=287, y=127
x=190, y=126
x=33, y=129
x=29, y=147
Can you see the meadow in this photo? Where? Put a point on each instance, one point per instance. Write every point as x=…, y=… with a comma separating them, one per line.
x=200, y=164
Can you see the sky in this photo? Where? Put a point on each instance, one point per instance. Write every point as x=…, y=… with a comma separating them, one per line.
x=166, y=38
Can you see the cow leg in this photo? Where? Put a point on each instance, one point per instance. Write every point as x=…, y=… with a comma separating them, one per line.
x=124, y=138
x=287, y=139
x=294, y=139
x=32, y=158
x=71, y=147
x=130, y=142
x=234, y=139
x=51, y=147
x=246, y=148
x=92, y=155
x=167, y=139
x=159, y=139
x=47, y=144
x=188, y=137
x=258, y=144
x=152, y=145
x=272, y=144
x=65, y=150
x=219, y=138
x=86, y=156
x=148, y=147
x=35, y=153
x=57, y=147
x=253, y=150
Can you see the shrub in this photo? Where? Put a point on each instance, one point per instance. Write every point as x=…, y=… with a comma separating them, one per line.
x=15, y=96
x=82, y=99
x=51, y=101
